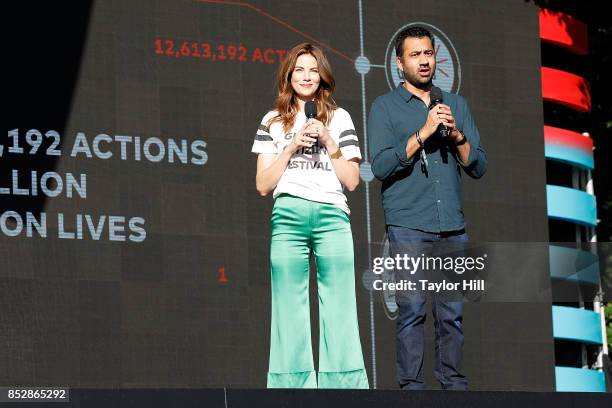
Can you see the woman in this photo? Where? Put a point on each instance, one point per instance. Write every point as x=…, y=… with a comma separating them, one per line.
x=306, y=162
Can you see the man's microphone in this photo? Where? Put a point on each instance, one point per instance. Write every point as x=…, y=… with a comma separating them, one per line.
x=310, y=109
x=435, y=97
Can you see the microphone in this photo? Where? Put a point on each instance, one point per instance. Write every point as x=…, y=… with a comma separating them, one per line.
x=435, y=97
x=310, y=109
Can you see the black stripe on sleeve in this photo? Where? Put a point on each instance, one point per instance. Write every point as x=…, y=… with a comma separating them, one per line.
x=348, y=143
x=348, y=132
x=263, y=138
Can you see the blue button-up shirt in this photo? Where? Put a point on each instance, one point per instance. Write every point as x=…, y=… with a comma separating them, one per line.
x=414, y=196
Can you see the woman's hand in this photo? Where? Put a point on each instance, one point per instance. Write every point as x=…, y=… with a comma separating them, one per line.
x=317, y=127
x=303, y=138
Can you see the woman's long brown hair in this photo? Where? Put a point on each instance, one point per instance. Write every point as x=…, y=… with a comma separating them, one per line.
x=286, y=103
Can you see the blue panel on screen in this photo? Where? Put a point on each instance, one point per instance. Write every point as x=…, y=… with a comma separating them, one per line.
x=571, y=323
x=579, y=380
x=573, y=205
x=574, y=265
x=568, y=155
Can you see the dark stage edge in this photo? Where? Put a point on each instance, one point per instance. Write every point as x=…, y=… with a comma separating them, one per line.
x=238, y=398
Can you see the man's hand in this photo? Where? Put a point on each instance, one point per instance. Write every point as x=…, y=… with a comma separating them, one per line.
x=440, y=115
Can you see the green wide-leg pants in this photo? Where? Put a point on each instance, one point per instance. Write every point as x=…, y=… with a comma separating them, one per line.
x=299, y=226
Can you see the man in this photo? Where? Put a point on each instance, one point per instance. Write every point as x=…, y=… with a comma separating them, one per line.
x=420, y=170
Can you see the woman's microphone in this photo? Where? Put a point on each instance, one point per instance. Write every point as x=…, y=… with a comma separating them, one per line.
x=310, y=109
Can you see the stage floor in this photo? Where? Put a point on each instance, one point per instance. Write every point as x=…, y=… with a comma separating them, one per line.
x=234, y=398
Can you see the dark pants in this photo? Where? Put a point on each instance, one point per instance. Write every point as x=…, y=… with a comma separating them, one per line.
x=448, y=317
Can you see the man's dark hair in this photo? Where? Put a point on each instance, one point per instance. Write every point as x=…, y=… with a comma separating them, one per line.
x=413, y=32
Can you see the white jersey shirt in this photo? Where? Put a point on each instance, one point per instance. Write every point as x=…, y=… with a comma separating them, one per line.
x=309, y=173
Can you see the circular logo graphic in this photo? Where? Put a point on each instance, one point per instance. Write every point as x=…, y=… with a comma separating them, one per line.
x=448, y=69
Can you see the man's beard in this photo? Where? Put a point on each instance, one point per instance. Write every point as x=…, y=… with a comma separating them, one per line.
x=417, y=81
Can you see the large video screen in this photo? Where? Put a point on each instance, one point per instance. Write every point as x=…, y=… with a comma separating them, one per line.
x=134, y=247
